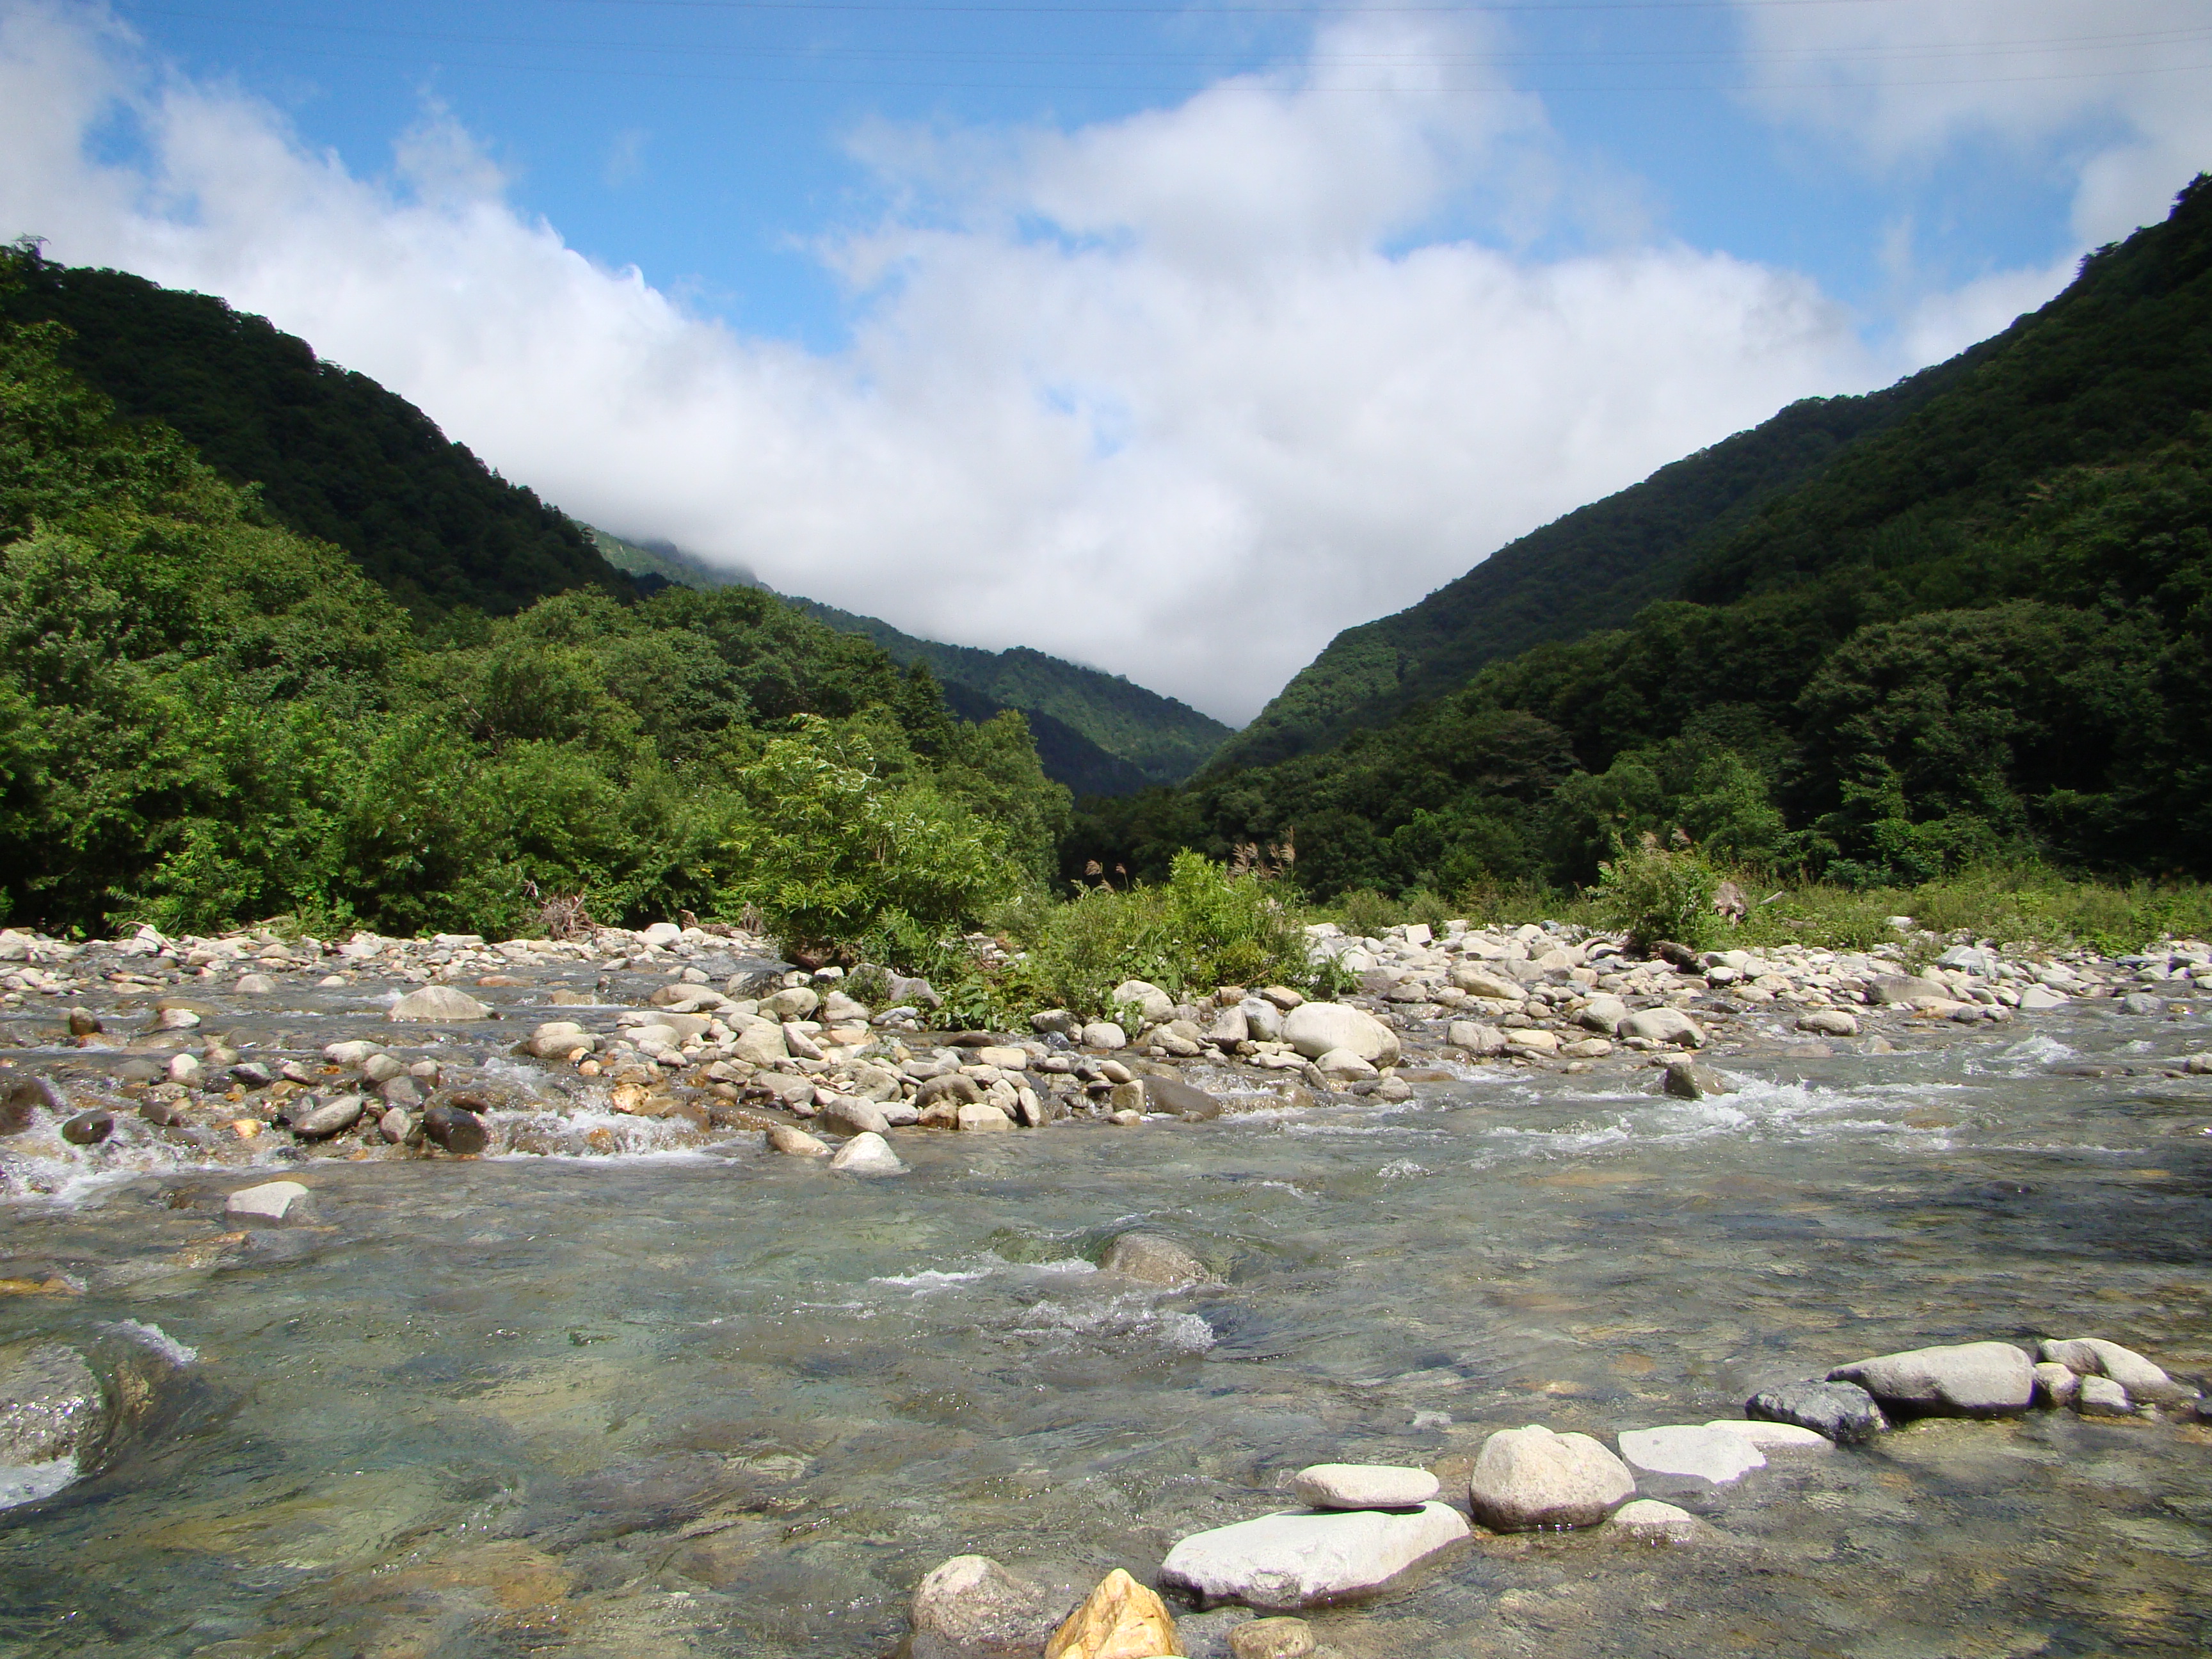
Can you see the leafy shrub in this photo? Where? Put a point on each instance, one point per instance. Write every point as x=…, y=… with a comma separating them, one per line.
x=1652, y=893
x=829, y=853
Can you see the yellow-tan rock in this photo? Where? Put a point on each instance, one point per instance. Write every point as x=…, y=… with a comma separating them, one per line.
x=1120, y=1619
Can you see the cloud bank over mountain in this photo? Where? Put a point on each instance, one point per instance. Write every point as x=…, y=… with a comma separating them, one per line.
x=1180, y=394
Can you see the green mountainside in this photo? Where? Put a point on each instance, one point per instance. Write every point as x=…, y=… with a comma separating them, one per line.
x=207, y=717
x=1594, y=568
x=1096, y=733
x=336, y=456
x=1982, y=629
x=1156, y=739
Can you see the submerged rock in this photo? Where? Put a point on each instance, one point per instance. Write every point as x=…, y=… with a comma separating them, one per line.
x=1653, y=1521
x=1363, y=1486
x=1155, y=1261
x=1120, y=1619
x=1529, y=1478
x=1971, y=1379
x=52, y=1408
x=24, y=1097
x=1309, y=1556
x=1845, y=1412
x=272, y=1201
x=971, y=1608
x=1272, y=1638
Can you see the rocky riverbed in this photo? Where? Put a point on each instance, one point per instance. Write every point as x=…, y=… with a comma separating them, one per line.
x=630, y=1358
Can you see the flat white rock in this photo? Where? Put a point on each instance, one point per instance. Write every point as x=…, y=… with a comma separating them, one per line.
x=272, y=1199
x=1775, y=1436
x=1363, y=1486
x=1691, y=1453
x=1295, y=1559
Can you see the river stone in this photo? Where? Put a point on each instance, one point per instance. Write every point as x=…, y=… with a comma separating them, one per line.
x=1271, y=1638
x=1888, y=988
x=1775, y=1436
x=2093, y=1356
x=1845, y=1412
x=1344, y=1064
x=983, y=1116
x=1152, y=1004
x=2056, y=1384
x=332, y=1117
x=1830, y=1022
x=2100, y=1396
x=1104, y=1033
x=1121, y=1618
x=1155, y=1261
x=1691, y=1081
x=1690, y=1452
x=1230, y=1028
x=52, y=1406
x=1363, y=1486
x=24, y=1097
x=1653, y=1521
x=456, y=1129
x=438, y=1002
x=1168, y=1094
x=1529, y=1478
x=2041, y=1000
x=1602, y=1014
x=398, y=1126
x=88, y=1128
x=1475, y=1038
x=353, y=1053
x=1306, y=1556
x=557, y=1038
x=1316, y=1027
x=1972, y=1379
x=254, y=985
x=272, y=1201
x=1482, y=982
x=795, y=1142
x=1664, y=1025
x=1263, y=1020
x=971, y=1608
x=854, y=1117
x=867, y=1154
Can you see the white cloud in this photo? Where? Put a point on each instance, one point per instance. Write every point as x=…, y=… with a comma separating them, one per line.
x=2112, y=91
x=1168, y=394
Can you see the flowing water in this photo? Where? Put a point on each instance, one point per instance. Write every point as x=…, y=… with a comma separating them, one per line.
x=718, y=1401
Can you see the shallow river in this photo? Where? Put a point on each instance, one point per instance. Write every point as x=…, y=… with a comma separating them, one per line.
x=734, y=1403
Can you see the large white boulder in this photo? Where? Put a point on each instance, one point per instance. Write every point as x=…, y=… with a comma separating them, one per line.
x=971, y=1608
x=2093, y=1356
x=1315, y=1028
x=1306, y=1556
x=1972, y=1379
x=1664, y=1025
x=1529, y=1478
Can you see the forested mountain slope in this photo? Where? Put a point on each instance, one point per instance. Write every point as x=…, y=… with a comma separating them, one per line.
x=208, y=718
x=1096, y=733
x=1592, y=569
x=336, y=456
x=1983, y=630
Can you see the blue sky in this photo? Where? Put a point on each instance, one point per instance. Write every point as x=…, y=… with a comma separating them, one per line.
x=1172, y=338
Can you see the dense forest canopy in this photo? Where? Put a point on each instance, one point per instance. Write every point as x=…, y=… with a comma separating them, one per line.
x=336, y=457
x=1981, y=628
x=206, y=716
